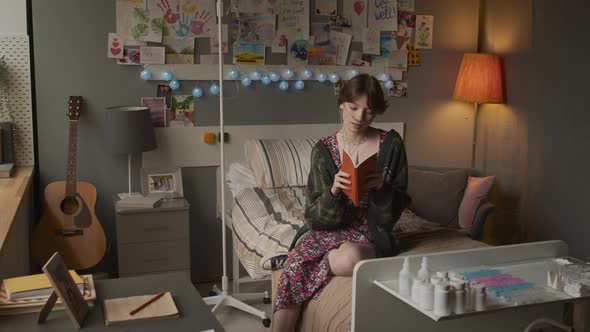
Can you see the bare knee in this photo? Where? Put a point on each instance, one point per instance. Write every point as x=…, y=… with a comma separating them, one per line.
x=344, y=259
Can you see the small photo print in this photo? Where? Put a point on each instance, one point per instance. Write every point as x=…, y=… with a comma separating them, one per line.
x=157, y=106
x=165, y=91
x=360, y=59
x=248, y=53
x=298, y=52
x=131, y=56
x=407, y=19
x=340, y=21
x=161, y=183
x=400, y=89
x=181, y=113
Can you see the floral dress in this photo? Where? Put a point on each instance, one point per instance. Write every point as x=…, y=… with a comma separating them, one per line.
x=306, y=270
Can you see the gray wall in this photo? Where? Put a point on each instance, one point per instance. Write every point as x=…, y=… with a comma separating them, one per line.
x=69, y=43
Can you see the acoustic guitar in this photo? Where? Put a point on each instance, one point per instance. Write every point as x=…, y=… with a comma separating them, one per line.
x=69, y=224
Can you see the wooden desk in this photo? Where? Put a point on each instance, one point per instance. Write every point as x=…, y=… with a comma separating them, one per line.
x=16, y=219
x=195, y=316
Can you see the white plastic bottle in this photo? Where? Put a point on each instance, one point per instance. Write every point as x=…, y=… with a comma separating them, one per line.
x=424, y=273
x=480, y=298
x=405, y=279
x=459, y=297
x=442, y=299
x=427, y=296
x=416, y=289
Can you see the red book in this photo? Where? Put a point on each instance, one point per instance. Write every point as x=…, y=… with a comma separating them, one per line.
x=358, y=176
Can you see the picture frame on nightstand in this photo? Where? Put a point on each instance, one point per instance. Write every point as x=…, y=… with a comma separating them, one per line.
x=162, y=182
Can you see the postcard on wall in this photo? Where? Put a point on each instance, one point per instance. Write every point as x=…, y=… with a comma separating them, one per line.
x=157, y=106
x=402, y=37
x=254, y=28
x=413, y=55
x=399, y=59
x=400, y=89
x=196, y=18
x=182, y=110
x=405, y=5
x=165, y=91
x=279, y=43
x=293, y=19
x=356, y=10
x=382, y=15
x=255, y=6
x=248, y=53
x=371, y=41
x=322, y=55
x=152, y=55
x=179, y=50
x=136, y=22
x=342, y=41
x=383, y=58
x=360, y=59
x=115, y=46
x=325, y=7
x=209, y=59
x=424, y=31
x=214, y=40
x=131, y=56
x=407, y=19
x=298, y=52
x=340, y=22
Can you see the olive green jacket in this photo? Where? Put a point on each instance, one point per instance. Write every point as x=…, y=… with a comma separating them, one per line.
x=324, y=211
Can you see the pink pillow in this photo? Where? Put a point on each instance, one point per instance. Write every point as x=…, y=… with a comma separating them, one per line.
x=476, y=191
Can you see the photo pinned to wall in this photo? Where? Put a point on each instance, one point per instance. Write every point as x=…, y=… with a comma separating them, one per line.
x=360, y=59
x=136, y=22
x=279, y=43
x=325, y=7
x=424, y=31
x=209, y=59
x=182, y=111
x=298, y=52
x=399, y=59
x=163, y=182
x=340, y=22
x=131, y=56
x=413, y=55
x=196, y=18
x=407, y=19
x=382, y=15
x=357, y=11
x=164, y=90
x=248, y=53
x=342, y=41
x=255, y=6
x=322, y=55
x=400, y=89
x=179, y=50
x=321, y=33
x=253, y=27
x=386, y=48
x=157, y=106
x=401, y=37
x=152, y=55
x=405, y=5
x=214, y=40
x=115, y=46
x=337, y=87
x=293, y=19
x=371, y=41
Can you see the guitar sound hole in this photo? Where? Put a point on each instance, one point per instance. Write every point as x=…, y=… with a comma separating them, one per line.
x=70, y=206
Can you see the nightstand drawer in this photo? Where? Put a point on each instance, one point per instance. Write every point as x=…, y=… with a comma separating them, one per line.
x=152, y=226
x=153, y=256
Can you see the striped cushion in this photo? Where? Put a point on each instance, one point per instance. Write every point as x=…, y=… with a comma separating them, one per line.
x=279, y=163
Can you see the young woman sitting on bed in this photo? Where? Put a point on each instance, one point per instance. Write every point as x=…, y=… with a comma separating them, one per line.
x=337, y=234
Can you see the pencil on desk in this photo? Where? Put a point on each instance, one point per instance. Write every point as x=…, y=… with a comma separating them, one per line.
x=148, y=302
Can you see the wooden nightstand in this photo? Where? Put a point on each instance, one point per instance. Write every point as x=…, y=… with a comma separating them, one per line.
x=154, y=240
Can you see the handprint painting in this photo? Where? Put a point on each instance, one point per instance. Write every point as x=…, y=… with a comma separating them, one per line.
x=185, y=18
x=136, y=22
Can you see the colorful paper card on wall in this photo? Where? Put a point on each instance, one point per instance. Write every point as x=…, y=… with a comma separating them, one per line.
x=342, y=41
x=253, y=28
x=399, y=59
x=400, y=89
x=401, y=37
x=383, y=15
x=152, y=55
x=322, y=55
x=293, y=19
x=424, y=31
x=371, y=41
x=413, y=55
x=184, y=18
x=181, y=113
x=279, y=43
x=214, y=40
x=131, y=56
x=325, y=7
x=405, y=5
x=157, y=106
x=407, y=19
x=321, y=33
x=115, y=46
x=357, y=11
x=209, y=59
x=136, y=22
x=248, y=53
x=298, y=51
x=385, y=46
x=360, y=59
x=179, y=50
x=255, y=6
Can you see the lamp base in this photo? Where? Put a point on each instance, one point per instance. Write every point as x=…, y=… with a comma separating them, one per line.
x=129, y=195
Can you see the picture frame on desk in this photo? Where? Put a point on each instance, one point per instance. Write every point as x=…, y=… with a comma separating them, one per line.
x=163, y=182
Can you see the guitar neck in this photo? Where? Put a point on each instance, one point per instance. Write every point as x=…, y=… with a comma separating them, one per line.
x=71, y=166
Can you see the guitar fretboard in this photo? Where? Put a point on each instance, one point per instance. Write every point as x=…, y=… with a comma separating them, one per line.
x=71, y=166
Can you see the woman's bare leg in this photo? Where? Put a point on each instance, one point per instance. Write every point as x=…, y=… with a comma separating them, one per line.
x=284, y=320
x=343, y=259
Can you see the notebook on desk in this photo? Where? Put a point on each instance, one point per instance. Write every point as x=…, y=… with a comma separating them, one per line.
x=118, y=310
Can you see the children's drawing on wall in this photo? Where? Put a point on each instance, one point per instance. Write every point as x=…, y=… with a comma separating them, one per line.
x=248, y=53
x=179, y=50
x=115, y=46
x=255, y=6
x=407, y=19
x=157, y=106
x=279, y=43
x=325, y=7
x=322, y=55
x=399, y=59
x=383, y=15
x=254, y=28
x=293, y=19
x=356, y=10
x=181, y=113
x=385, y=51
x=360, y=59
x=194, y=18
x=164, y=90
x=413, y=55
x=321, y=33
x=214, y=40
x=136, y=22
x=405, y=5
x=342, y=41
x=401, y=37
x=371, y=41
x=424, y=31
x=131, y=56
x=298, y=51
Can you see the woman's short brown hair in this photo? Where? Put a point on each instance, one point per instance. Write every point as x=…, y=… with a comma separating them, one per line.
x=364, y=84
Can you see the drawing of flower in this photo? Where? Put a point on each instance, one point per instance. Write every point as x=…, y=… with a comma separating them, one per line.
x=423, y=34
